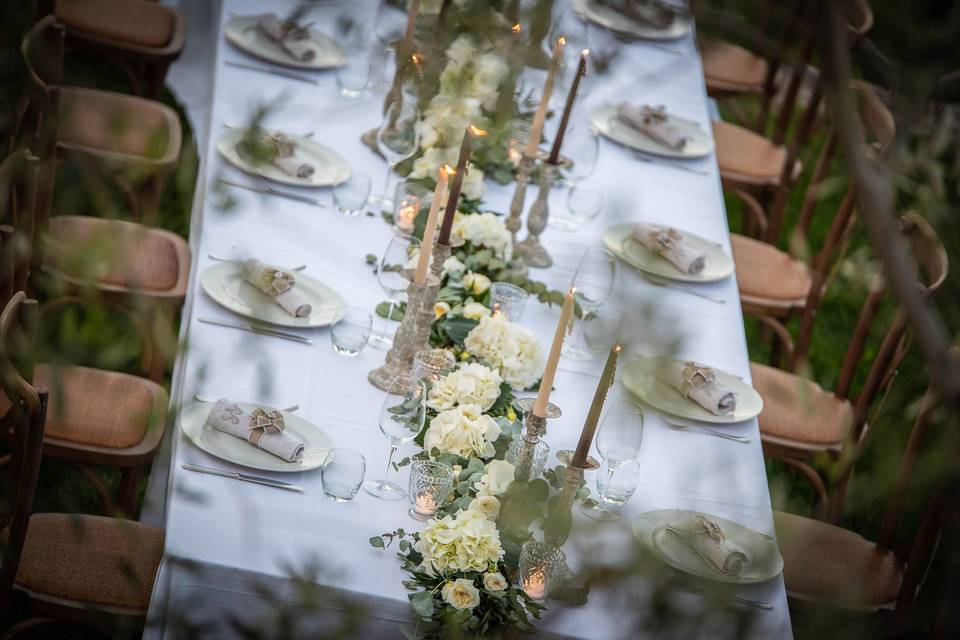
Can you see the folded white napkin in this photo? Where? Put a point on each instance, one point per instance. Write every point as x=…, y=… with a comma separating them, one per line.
x=706, y=538
x=652, y=13
x=292, y=38
x=263, y=428
x=698, y=383
x=669, y=244
x=285, y=156
x=278, y=285
x=653, y=122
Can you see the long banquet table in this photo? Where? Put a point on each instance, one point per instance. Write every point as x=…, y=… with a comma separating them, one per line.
x=225, y=537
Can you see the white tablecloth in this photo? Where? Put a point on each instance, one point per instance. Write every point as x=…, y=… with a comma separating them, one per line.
x=241, y=532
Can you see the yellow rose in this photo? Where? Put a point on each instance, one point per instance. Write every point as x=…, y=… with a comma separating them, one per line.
x=476, y=283
x=440, y=309
x=494, y=581
x=464, y=355
x=475, y=310
x=511, y=414
x=460, y=594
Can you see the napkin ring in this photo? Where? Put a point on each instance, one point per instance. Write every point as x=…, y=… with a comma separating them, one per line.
x=264, y=422
x=278, y=282
x=696, y=376
x=709, y=528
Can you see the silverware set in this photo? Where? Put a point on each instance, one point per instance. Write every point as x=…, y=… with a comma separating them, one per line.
x=271, y=191
x=704, y=429
x=302, y=77
x=657, y=281
x=756, y=604
x=219, y=258
x=242, y=477
x=257, y=329
x=643, y=157
x=200, y=398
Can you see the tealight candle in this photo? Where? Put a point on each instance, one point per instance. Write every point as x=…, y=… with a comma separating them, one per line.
x=425, y=505
x=535, y=587
x=407, y=213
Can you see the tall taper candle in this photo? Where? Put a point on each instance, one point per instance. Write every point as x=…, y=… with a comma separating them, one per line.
x=537, y=128
x=550, y=371
x=411, y=25
x=426, y=247
x=593, y=416
x=454, y=198
x=565, y=119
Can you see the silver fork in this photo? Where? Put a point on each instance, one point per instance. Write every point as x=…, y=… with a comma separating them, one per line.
x=663, y=282
x=219, y=258
x=720, y=434
x=642, y=157
x=308, y=134
x=200, y=398
x=758, y=604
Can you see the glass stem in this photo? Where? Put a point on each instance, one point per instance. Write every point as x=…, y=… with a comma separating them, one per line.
x=386, y=321
x=393, y=451
x=386, y=187
x=578, y=338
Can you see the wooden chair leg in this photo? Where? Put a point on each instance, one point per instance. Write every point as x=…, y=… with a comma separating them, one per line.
x=814, y=478
x=26, y=626
x=156, y=77
x=148, y=199
x=106, y=500
x=129, y=485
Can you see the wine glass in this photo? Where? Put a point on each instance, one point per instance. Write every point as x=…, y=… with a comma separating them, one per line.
x=391, y=278
x=584, y=203
x=593, y=282
x=402, y=416
x=397, y=139
x=353, y=75
x=618, y=443
x=582, y=145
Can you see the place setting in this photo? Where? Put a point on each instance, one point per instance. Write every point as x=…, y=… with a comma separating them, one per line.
x=286, y=42
x=646, y=20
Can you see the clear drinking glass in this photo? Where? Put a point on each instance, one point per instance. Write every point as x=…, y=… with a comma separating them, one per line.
x=402, y=416
x=582, y=146
x=603, y=328
x=509, y=299
x=354, y=73
x=584, y=204
x=432, y=364
x=618, y=443
x=392, y=280
x=541, y=567
x=593, y=280
x=350, y=334
x=430, y=484
x=616, y=485
x=350, y=196
x=397, y=139
x=342, y=474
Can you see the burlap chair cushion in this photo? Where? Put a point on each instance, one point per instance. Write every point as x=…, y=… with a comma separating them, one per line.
x=138, y=22
x=767, y=276
x=746, y=157
x=798, y=409
x=729, y=67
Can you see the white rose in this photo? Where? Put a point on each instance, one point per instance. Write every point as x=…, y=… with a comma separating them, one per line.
x=463, y=430
x=488, y=71
x=471, y=383
x=494, y=581
x=453, y=265
x=475, y=311
x=461, y=51
x=489, y=506
x=473, y=185
x=428, y=165
x=460, y=593
x=496, y=478
x=484, y=230
x=476, y=283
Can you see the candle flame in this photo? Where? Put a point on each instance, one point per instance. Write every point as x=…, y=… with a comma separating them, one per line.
x=561, y=41
x=416, y=58
x=476, y=131
x=515, y=28
x=447, y=169
x=585, y=53
x=617, y=348
x=573, y=291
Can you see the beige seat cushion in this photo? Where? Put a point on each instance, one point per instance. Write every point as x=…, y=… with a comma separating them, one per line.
x=118, y=127
x=729, y=67
x=91, y=559
x=827, y=563
x=117, y=253
x=767, y=276
x=798, y=409
x=138, y=22
x=746, y=157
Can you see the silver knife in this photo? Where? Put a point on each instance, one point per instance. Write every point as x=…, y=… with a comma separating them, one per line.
x=252, y=328
x=277, y=72
x=270, y=191
x=242, y=476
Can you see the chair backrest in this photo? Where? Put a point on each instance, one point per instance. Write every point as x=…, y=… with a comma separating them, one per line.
x=18, y=192
x=24, y=421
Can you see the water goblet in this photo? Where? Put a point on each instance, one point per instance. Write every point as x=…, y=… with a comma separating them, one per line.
x=593, y=282
x=402, y=416
x=391, y=278
x=584, y=204
x=398, y=138
x=618, y=443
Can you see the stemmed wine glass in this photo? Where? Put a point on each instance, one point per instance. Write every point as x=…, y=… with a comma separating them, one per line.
x=593, y=281
x=397, y=139
x=391, y=278
x=402, y=416
x=618, y=443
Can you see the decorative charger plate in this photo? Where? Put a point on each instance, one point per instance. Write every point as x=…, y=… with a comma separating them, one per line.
x=242, y=32
x=225, y=284
x=640, y=377
x=618, y=240
x=605, y=120
x=616, y=21
x=330, y=168
x=316, y=443
x=763, y=557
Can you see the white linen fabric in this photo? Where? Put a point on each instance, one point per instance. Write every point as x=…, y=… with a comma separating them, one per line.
x=706, y=538
x=278, y=285
x=698, y=383
x=669, y=243
x=262, y=428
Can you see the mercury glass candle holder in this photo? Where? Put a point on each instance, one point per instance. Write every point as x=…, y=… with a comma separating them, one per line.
x=430, y=484
x=542, y=567
x=538, y=461
x=413, y=335
x=531, y=249
x=509, y=299
x=432, y=364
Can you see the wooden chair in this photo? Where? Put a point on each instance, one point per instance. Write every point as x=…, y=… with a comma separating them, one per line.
x=134, y=140
x=143, y=37
x=56, y=567
x=829, y=566
x=800, y=420
x=95, y=417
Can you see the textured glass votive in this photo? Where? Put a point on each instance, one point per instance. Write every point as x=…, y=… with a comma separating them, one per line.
x=509, y=299
x=430, y=484
x=541, y=453
x=542, y=566
x=432, y=364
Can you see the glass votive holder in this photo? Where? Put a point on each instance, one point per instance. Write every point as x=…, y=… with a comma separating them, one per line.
x=342, y=474
x=430, y=484
x=408, y=199
x=541, y=567
x=541, y=453
x=508, y=299
x=432, y=364
x=350, y=196
x=350, y=334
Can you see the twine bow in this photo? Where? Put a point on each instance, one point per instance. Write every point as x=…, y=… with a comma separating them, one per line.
x=664, y=240
x=281, y=145
x=696, y=376
x=264, y=422
x=290, y=30
x=708, y=527
x=277, y=281
x=653, y=114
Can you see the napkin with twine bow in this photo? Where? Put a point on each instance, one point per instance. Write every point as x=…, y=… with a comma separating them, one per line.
x=648, y=13
x=278, y=285
x=668, y=243
x=263, y=428
x=292, y=38
x=698, y=382
x=283, y=150
x=653, y=122
x=706, y=538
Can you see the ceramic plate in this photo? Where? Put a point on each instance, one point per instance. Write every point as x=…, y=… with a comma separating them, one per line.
x=316, y=443
x=604, y=119
x=225, y=284
x=330, y=167
x=242, y=32
x=615, y=21
x=640, y=377
x=763, y=558
x=618, y=240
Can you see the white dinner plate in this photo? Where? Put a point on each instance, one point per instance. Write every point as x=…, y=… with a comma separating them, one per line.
x=619, y=240
x=225, y=284
x=330, y=168
x=613, y=20
x=605, y=120
x=640, y=377
x=316, y=443
x=763, y=557
x=242, y=32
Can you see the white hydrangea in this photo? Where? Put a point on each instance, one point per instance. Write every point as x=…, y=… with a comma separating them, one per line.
x=485, y=230
x=497, y=476
x=467, y=542
x=508, y=347
x=471, y=383
x=489, y=70
x=463, y=430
